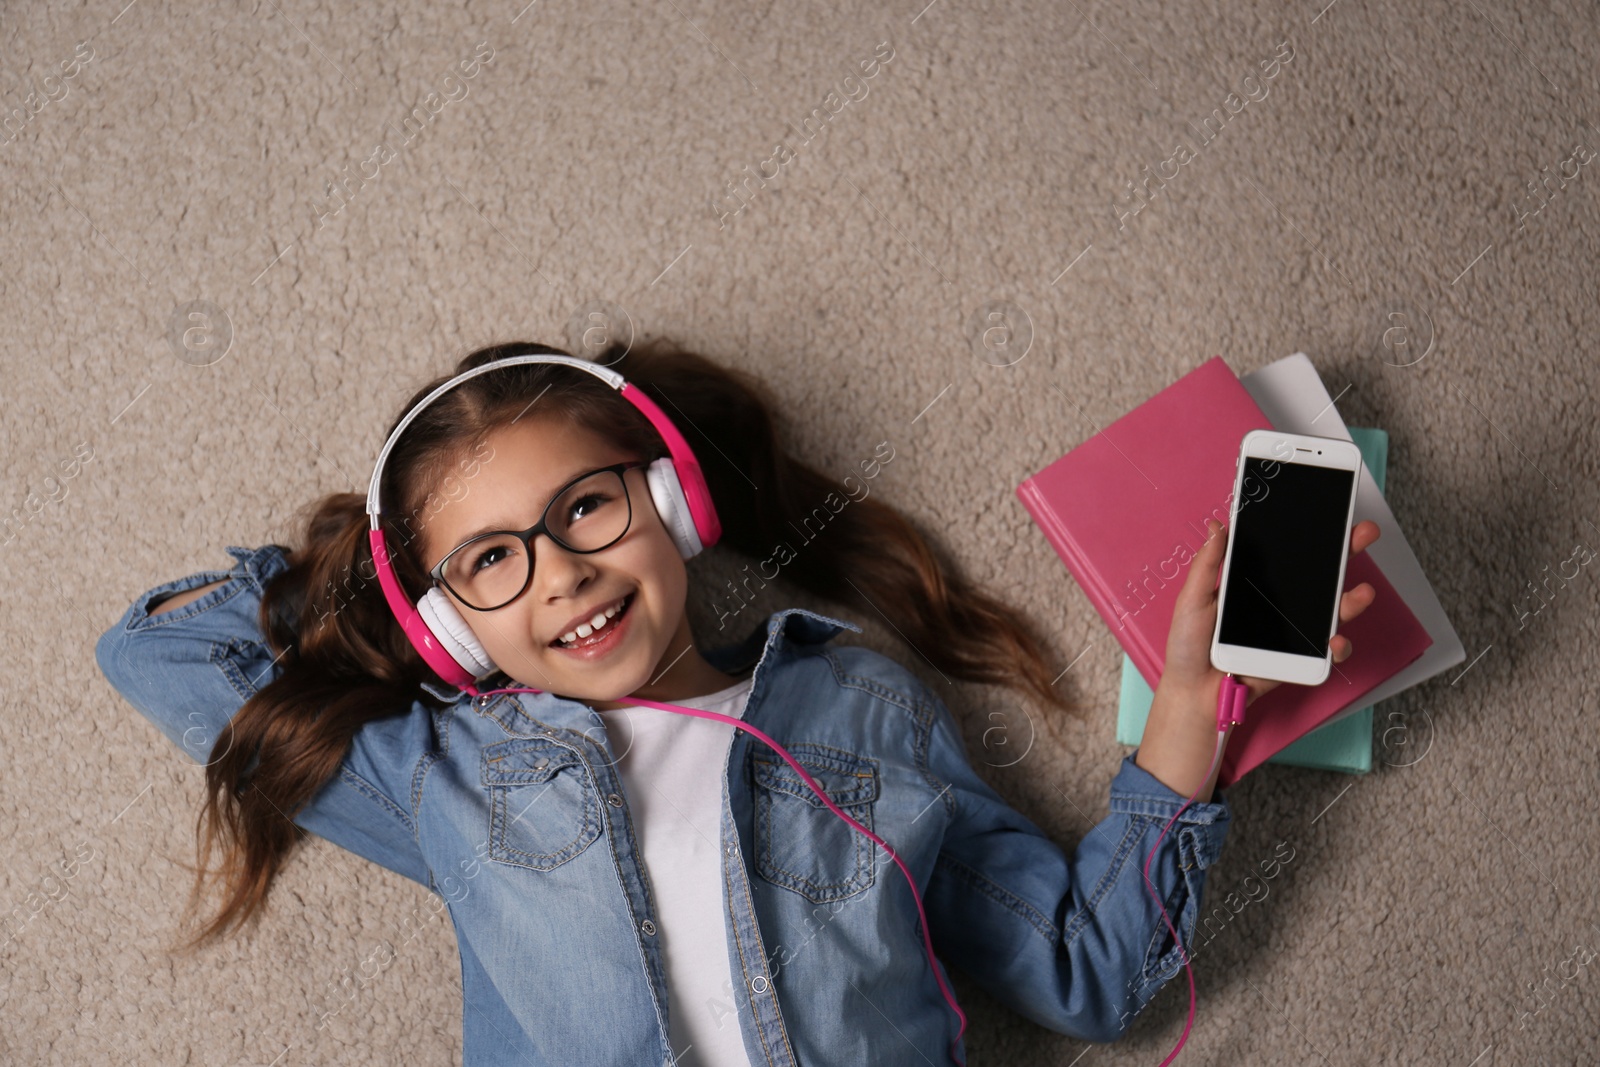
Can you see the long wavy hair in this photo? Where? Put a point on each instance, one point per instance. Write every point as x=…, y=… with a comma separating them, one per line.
x=345, y=662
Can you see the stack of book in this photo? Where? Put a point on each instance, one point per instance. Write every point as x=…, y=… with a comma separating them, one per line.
x=1126, y=509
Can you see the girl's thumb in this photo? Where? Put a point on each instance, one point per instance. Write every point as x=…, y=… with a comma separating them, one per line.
x=1208, y=561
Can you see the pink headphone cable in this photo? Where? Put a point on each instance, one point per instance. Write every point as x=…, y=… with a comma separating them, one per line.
x=770, y=743
x=435, y=629
x=1230, y=710
x=676, y=488
x=1231, y=698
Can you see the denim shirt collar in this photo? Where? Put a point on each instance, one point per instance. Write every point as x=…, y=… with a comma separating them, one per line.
x=794, y=626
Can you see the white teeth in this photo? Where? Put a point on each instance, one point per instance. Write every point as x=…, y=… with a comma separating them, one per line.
x=586, y=628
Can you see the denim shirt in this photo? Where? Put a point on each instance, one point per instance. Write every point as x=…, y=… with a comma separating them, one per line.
x=510, y=808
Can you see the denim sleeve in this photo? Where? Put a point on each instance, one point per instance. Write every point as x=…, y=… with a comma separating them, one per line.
x=189, y=670
x=1075, y=944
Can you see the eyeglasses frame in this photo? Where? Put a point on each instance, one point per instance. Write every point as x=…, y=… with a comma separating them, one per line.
x=526, y=536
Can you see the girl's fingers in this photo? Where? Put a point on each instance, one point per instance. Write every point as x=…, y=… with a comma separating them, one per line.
x=1362, y=534
x=1204, y=568
x=1356, y=600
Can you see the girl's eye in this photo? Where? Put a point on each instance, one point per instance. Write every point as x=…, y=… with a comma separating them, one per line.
x=582, y=506
x=488, y=558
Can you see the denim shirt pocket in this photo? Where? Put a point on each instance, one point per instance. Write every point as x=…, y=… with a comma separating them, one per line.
x=542, y=809
x=802, y=846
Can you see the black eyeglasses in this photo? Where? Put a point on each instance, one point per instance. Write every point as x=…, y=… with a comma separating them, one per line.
x=590, y=513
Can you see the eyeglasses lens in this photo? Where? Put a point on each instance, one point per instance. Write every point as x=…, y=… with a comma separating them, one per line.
x=490, y=571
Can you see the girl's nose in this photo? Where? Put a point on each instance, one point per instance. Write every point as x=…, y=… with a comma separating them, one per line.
x=555, y=569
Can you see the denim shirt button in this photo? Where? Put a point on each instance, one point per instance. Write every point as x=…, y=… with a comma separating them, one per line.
x=759, y=984
x=614, y=800
x=648, y=927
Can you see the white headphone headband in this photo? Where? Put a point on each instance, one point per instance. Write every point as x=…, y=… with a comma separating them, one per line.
x=610, y=377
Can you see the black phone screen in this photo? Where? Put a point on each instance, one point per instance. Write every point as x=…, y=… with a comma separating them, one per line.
x=1288, y=542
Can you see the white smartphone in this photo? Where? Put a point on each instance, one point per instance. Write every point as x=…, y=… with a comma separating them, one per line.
x=1294, y=497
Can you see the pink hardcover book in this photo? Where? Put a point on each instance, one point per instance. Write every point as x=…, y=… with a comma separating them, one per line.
x=1126, y=512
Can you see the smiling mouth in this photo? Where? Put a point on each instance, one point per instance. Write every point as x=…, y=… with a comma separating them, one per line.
x=596, y=637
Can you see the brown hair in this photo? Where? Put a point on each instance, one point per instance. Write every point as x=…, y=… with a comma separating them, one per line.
x=345, y=661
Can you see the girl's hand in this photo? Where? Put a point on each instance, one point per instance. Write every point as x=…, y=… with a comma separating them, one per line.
x=1194, y=618
x=1180, y=735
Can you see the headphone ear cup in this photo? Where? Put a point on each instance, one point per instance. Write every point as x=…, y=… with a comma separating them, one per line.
x=453, y=633
x=673, y=506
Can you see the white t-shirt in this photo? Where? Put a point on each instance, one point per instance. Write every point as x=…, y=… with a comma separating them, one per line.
x=671, y=770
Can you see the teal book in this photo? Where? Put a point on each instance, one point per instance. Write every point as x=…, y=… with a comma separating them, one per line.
x=1342, y=745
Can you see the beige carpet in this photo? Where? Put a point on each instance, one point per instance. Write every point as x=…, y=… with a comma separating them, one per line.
x=1384, y=168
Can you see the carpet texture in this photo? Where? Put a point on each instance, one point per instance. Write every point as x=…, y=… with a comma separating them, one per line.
x=237, y=237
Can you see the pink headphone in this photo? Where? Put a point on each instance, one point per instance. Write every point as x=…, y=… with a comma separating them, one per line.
x=682, y=500
x=433, y=625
